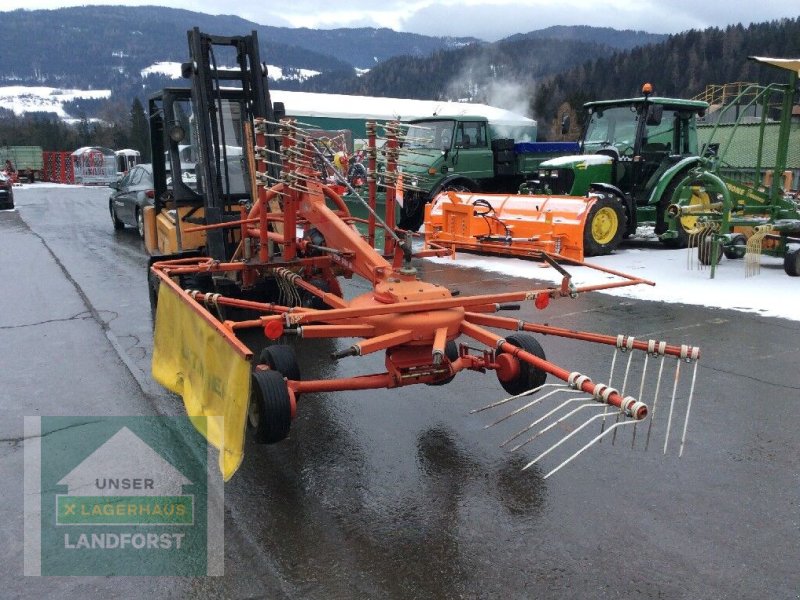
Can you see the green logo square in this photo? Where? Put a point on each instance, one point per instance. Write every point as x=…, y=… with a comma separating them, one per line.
x=120, y=496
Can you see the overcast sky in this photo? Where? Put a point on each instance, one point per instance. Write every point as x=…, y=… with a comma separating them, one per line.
x=484, y=19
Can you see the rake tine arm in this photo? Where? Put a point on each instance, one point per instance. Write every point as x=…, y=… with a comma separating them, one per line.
x=510, y=324
x=637, y=409
x=588, y=445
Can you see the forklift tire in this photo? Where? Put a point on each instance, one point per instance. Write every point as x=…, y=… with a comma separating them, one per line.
x=791, y=262
x=529, y=377
x=705, y=248
x=604, y=227
x=153, y=283
x=282, y=359
x=118, y=225
x=269, y=413
x=451, y=352
x=733, y=250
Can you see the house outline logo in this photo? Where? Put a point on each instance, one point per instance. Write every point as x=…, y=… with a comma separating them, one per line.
x=124, y=477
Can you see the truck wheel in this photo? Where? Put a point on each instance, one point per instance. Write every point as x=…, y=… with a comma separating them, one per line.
x=528, y=376
x=604, y=226
x=117, y=223
x=269, y=414
x=791, y=262
x=412, y=213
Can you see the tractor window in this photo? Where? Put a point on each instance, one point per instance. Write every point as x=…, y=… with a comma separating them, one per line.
x=661, y=137
x=615, y=126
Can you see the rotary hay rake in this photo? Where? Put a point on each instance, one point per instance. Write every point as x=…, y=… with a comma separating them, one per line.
x=294, y=239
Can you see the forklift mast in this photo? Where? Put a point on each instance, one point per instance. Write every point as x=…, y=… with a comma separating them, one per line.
x=223, y=99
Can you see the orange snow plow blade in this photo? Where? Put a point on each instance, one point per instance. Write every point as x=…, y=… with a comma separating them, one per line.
x=513, y=225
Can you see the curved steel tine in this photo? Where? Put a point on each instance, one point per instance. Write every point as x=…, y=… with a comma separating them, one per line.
x=522, y=395
x=556, y=422
x=532, y=403
x=586, y=447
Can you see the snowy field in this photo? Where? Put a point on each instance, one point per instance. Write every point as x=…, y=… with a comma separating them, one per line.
x=771, y=293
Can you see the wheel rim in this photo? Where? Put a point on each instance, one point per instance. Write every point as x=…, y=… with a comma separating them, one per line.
x=140, y=223
x=699, y=197
x=605, y=225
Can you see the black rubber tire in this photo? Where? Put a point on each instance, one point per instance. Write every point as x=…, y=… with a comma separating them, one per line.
x=704, y=251
x=117, y=223
x=139, y=222
x=281, y=358
x=791, y=263
x=412, y=214
x=594, y=247
x=451, y=352
x=529, y=376
x=269, y=415
x=732, y=253
x=153, y=284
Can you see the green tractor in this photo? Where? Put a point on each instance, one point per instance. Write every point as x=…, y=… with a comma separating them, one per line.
x=746, y=219
x=634, y=151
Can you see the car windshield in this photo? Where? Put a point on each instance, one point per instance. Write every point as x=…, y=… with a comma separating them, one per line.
x=614, y=126
x=434, y=135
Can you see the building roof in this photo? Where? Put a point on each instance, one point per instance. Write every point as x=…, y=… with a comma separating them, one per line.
x=386, y=109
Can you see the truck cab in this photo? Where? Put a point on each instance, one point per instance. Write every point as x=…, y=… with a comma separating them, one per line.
x=632, y=149
x=466, y=153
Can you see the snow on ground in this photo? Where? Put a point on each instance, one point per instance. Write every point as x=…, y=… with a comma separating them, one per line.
x=170, y=69
x=173, y=71
x=771, y=293
x=22, y=99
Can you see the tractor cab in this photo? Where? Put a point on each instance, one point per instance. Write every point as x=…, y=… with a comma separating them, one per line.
x=631, y=149
x=628, y=144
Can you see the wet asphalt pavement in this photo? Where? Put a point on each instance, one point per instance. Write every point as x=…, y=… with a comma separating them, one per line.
x=403, y=494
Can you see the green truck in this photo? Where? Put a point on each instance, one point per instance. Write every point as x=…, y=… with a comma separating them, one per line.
x=637, y=151
x=467, y=154
x=26, y=160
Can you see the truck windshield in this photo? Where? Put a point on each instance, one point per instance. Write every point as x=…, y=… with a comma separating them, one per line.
x=614, y=126
x=434, y=135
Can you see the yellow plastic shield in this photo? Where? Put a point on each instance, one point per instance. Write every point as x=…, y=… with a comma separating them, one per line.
x=194, y=359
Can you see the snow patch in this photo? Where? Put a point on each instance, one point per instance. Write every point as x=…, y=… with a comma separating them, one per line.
x=22, y=99
x=772, y=293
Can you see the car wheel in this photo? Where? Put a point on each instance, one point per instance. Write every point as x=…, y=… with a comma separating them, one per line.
x=140, y=222
x=117, y=223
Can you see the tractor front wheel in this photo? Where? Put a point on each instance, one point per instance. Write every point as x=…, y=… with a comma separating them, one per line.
x=604, y=226
x=270, y=411
x=522, y=376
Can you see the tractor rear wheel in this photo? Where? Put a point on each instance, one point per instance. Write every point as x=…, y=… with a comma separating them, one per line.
x=269, y=414
x=791, y=262
x=528, y=376
x=604, y=226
